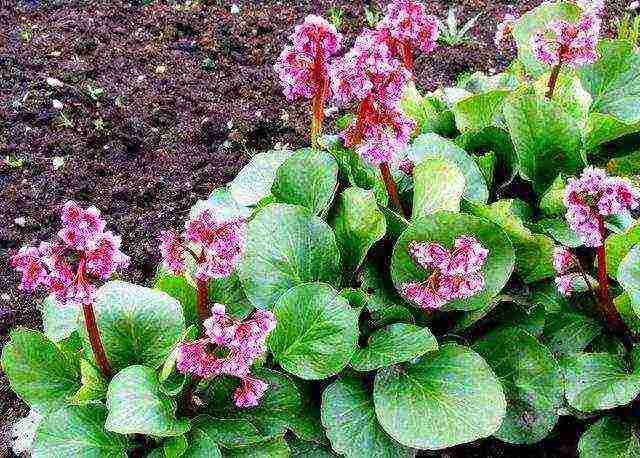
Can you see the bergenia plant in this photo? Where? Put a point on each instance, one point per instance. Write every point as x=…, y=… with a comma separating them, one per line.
x=450, y=267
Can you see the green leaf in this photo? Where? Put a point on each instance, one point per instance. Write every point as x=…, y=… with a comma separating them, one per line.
x=137, y=325
x=629, y=277
x=551, y=202
x=254, y=181
x=546, y=138
x=137, y=405
x=349, y=416
x=394, y=344
x=479, y=110
x=559, y=229
x=448, y=397
x=487, y=165
x=531, y=380
x=224, y=204
x=59, y=321
x=228, y=291
x=307, y=178
x=611, y=437
x=175, y=447
x=78, y=431
x=625, y=309
x=201, y=444
x=94, y=385
x=286, y=246
x=228, y=433
x=604, y=128
x=438, y=185
x=305, y=449
x=568, y=94
x=317, y=331
x=278, y=410
x=38, y=371
x=273, y=448
x=625, y=166
x=432, y=146
x=493, y=139
x=614, y=80
x=532, y=22
x=181, y=290
x=598, y=381
x=358, y=225
x=617, y=246
x=569, y=333
x=534, y=259
x=444, y=227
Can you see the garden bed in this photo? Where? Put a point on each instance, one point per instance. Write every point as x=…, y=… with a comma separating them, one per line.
x=161, y=104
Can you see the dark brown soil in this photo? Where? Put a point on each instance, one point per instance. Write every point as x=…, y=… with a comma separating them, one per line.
x=162, y=103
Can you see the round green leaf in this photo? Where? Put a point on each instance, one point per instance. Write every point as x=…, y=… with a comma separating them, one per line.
x=273, y=448
x=444, y=227
x=432, y=146
x=394, y=344
x=629, y=277
x=611, y=437
x=137, y=405
x=358, y=225
x=228, y=432
x=479, y=110
x=317, y=331
x=286, y=246
x=531, y=380
x=352, y=427
x=449, y=397
x=58, y=321
x=598, y=381
x=254, y=181
x=201, y=445
x=137, y=325
x=438, y=185
x=308, y=178
x=569, y=333
x=38, y=371
x=603, y=128
x=78, y=431
x=181, y=290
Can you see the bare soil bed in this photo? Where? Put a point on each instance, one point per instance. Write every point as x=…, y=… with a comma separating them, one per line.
x=162, y=102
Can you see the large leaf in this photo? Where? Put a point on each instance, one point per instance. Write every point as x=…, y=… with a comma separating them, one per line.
x=317, y=331
x=308, y=178
x=629, y=277
x=603, y=128
x=394, y=344
x=432, y=146
x=228, y=291
x=537, y=20
x=201, y=444
x=611, y=437
x=479, y=110
x=349, y=416
x=78, y=431
x=569, y=95
x=254, y=181
x=614, y=80
x=358, y=225
x=546, y=138
x=178, y=287
x=38, y=371
x=617, y=246
x=137, y=405
x=598, y=381
x=137, y=325
x=448, y=397
x=444, y=227
x=438, y=185
x=531, y=380
x=569, y=333
x=273, y=448
x=495, y=139
x=59, y=321
x=287, y=246
x=227, y=432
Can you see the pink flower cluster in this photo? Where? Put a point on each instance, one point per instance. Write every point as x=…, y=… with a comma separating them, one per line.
x=568, y=44
x=64, y=269
x=594, y=196
x=505, y=30
x=303, y=67
x=456, y=274
x=216, y=244
x=408, y=23
x=230, y=348
x=563, y=263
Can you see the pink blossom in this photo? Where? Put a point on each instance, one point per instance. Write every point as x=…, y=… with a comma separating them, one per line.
x=406, y=165
x=567, y=43
x=172, y=252
x=229, y=347
x=303, y=68
x=505, y=30
x=455, y=274
x=66, y=269
x=563, y=259
x=249, y=393
x=564, y=284
x=408, y=22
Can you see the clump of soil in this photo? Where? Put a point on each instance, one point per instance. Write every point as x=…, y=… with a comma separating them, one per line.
x=162, y=101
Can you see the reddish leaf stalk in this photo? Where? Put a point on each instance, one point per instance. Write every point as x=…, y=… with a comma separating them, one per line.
x=407, y=55
x=553, y=80
x=203, y=299
x=392, y=190
x=318, y=100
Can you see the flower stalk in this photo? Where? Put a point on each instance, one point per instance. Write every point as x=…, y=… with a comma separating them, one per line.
x=203, y=307
x=95, y=341
x=553, y=81
x=392, y=189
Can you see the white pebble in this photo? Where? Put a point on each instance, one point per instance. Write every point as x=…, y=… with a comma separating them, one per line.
x=57, y=104
x=20, y=221
x=54, y=82
x=235, y=9
x=57, y=162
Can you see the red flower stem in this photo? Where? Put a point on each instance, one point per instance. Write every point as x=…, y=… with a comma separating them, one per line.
x=407, y=55
x=95, y=341
x=553, y=80
x=392, y=190
x=203, y=299
x=318, y=116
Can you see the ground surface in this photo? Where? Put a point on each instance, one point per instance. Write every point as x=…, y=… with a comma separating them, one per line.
x=162, y=102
